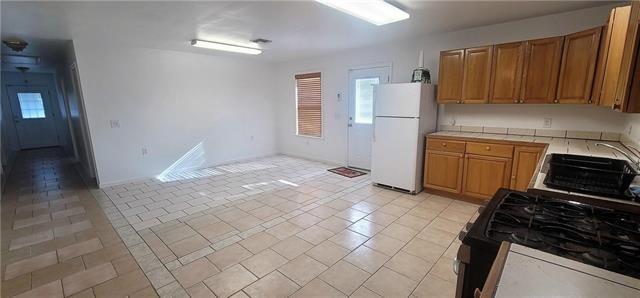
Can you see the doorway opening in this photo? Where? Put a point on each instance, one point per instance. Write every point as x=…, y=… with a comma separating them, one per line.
x=361, y=113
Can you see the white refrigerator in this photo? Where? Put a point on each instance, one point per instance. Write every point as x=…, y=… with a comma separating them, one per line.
x=404, y=113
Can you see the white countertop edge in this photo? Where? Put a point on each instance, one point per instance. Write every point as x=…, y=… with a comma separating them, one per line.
x=618, y=278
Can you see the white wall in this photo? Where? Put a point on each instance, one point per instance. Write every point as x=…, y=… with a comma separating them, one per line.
x=404, y=55
x=170, y=102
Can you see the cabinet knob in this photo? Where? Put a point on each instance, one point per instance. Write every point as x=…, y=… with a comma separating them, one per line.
x=488, y=148
x=555, y=101
x=444, y=144
x=516, y=101
x=522, y=101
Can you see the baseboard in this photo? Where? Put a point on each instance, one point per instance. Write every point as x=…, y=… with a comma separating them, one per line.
x=331, y=162
x=215, y=164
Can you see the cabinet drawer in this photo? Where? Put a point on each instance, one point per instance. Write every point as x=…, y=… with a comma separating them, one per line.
x=487, y=149
x=445, y=145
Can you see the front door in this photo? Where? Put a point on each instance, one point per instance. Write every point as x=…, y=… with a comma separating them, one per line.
x=33, y=116
x=361, y=82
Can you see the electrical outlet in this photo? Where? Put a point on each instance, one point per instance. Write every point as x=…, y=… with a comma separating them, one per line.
x=144, y=151
x=114, y=123
x=547, y=123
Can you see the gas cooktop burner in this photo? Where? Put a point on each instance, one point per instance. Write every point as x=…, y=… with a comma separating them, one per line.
x=602, y=237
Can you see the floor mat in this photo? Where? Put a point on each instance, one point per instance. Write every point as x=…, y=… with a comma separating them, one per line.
x=344, y=171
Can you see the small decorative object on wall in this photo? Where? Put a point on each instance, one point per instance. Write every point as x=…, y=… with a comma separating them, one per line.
x=421, y=74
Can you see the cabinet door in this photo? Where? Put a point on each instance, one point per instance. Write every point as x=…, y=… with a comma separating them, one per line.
x=443, y=171
x=484, y=175
x=629, y=58
x=602, y=61
x=579, y=58
x=615, y=37
x=541, y=68
x=477, y=74
x=450, y=76
x=506, y=73
x=525, y=161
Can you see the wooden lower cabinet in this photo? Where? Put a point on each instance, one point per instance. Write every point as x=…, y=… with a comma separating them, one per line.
x=525, y=161
x=443, y=171
x=484, y=175
x=476, y=169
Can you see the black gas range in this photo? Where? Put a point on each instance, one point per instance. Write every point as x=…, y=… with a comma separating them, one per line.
x=604, y=234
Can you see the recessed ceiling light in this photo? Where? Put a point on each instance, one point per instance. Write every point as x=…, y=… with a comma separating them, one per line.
x=377, y=12
x=225, y=47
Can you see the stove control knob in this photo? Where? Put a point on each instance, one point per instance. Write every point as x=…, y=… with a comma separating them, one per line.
x=461, y=235
x=468, y=226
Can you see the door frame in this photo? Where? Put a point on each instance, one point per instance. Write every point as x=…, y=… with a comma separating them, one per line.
x=349, y=94
x=49, y=103
x=84, y=123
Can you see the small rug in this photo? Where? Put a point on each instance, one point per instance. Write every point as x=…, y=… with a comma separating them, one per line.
x=344, y=171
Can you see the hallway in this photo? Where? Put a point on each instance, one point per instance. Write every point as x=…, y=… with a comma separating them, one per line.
x=56, y=240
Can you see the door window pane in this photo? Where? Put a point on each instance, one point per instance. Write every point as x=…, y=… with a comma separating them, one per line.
x=31, y=105
x=364, y=100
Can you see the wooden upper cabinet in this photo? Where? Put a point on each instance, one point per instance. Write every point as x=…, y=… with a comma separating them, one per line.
x=577, y=69
x=629, y=61
x=477, y=74
x=506, y=72
x=601, y=64
x=614, y=40
x=450, y=76
x=541, y=68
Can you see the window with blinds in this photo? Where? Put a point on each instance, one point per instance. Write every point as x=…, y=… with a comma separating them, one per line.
x=309, y=104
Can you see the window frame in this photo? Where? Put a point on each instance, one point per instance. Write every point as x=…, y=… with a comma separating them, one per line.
x=22, y=109
x=295, y=95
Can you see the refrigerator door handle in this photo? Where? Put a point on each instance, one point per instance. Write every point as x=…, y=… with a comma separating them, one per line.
x=373, y=111
x=373, y=128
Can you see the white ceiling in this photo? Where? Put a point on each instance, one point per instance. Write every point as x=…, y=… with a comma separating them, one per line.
x=298, y=28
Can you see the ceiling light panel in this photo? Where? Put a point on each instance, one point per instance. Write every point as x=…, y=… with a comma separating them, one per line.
x=225, y=47
x=377, y=12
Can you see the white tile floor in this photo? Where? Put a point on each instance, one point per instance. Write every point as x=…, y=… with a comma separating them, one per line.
x=283, y=226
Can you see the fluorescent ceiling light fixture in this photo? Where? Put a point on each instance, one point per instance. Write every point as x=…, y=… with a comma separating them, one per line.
x=224, y=47
x=377, y=12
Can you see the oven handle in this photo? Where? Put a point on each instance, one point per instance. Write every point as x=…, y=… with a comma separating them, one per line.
x=456, y=265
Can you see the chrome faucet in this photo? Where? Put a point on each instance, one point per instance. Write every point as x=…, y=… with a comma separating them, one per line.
x=631, y=159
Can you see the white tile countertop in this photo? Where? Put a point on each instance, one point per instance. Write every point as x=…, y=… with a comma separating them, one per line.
x=526, y=269
x=554, y=145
